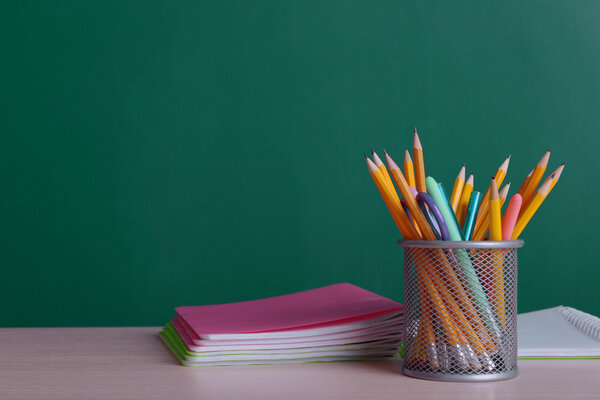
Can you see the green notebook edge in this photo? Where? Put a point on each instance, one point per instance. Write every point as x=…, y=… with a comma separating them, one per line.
x=170, y=330
x=171, y=343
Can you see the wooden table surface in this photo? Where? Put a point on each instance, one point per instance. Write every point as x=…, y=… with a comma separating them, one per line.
x=131, y=363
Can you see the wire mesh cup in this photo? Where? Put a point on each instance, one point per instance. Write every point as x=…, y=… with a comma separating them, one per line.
x=460, y=310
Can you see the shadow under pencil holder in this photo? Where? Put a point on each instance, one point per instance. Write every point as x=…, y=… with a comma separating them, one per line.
x=460, y=310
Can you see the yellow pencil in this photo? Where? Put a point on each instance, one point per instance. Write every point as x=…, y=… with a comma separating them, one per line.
x=555, y=175
x=463, y=204
x=496, y=234
x=459, y=182
x=402, y=222
x=485, y=227
x=495, y=215
x=419, y=164
x=536, y=176
x=503, y=193
x=533, y=205
x=409, y=169
x=381, y=166
x=482, y=214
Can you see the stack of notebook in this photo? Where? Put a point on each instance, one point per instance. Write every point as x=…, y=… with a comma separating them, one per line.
x=333, y=323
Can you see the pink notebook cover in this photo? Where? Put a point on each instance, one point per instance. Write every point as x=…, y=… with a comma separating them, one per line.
x=328, y=305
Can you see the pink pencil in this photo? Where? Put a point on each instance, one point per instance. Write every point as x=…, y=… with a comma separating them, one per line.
x=509, y=219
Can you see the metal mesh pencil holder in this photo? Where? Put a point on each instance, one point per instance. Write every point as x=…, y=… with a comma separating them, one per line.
x=460, y=310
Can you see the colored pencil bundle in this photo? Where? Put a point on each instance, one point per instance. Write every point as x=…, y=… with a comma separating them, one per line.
x=460, y=306
x=465, y=205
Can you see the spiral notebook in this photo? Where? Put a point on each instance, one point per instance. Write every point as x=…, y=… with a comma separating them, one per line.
x=558, y=332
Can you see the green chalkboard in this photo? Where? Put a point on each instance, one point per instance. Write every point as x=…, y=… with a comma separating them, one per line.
x=156, y=154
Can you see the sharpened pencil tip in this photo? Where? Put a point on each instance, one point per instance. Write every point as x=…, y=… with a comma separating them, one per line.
x=550, y=149
x=563, y=164
x=372, y=151
x=385, y=152
x=416, y=141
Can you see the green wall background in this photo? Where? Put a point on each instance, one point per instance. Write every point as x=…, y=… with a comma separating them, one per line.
x=156, y=154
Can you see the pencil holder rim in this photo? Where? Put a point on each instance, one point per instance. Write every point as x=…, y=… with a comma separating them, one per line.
x=448, y=244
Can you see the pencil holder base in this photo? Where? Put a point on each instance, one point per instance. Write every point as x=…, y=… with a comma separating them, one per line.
x=501, y=376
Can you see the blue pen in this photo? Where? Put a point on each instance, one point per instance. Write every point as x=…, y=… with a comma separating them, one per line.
x=471, y=214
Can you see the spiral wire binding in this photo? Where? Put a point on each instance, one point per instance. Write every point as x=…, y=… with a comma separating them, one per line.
x=587, y=323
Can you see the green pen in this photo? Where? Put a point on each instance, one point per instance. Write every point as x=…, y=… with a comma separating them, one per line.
x=449, y=208
x=434, y=191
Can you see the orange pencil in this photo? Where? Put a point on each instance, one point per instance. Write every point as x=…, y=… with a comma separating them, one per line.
x=535, y=179
x=525, y=183
x=419, y=164
x=381, y=166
